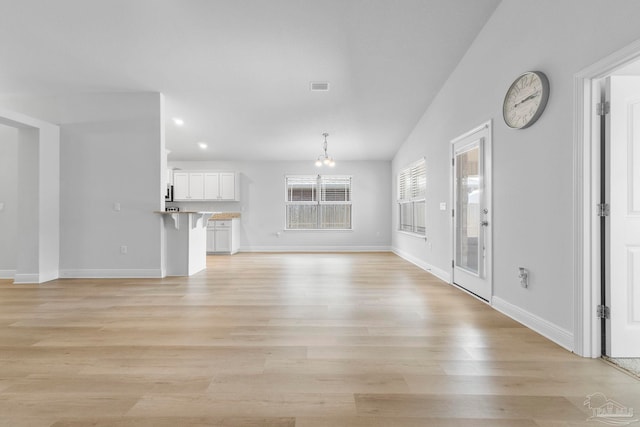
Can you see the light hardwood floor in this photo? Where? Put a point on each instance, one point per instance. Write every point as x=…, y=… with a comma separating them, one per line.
x=305, y=340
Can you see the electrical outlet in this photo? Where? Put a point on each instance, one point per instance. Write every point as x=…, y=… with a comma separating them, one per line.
x=523, y=276
x=443, y=206
x=123, y=249
x=116, y=207
x=1, y=206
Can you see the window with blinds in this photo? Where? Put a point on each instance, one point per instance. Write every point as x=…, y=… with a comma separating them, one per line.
x=318, y=202
x=412, y=191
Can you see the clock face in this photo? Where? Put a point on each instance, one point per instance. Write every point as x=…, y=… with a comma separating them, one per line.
x=525, y=100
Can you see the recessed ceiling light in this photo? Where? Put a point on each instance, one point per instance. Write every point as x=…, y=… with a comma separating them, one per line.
x=202, y=145
x=178, y=121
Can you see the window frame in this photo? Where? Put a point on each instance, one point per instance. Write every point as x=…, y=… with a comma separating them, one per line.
x=318, y=193
x=412, y=192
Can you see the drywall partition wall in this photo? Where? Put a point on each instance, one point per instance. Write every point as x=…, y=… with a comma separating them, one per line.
x=532, y=168
x=8, y=201
x=38, y=185
x=110, y=179
x=262, y=205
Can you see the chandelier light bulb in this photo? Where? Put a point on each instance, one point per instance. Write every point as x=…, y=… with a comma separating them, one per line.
x=324, y=159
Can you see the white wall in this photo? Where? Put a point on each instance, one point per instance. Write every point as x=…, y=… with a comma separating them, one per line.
x=532, y=168
x=110, y=152
x=262, y=205
x=9, y=199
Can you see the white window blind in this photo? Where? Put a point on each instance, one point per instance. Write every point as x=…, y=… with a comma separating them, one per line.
x=318, y=202
x=412, y=182
x=412, y=191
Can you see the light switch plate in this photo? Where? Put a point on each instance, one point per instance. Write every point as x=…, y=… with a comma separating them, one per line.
x=1, y=206
x=443, y=206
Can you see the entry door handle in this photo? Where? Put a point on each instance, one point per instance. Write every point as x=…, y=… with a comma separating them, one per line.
x=484, y=223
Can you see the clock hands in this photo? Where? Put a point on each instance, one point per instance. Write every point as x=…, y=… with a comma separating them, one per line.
x=526, y=99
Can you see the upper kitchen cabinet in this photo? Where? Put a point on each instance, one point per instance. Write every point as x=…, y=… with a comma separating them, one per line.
x=188, y=186
x=205, y=186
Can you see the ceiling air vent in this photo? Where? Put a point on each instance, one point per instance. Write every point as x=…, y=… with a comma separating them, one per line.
x=319, y=86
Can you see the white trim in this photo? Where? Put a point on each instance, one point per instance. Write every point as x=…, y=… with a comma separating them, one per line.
x=487, y=146
x=315, y=249
x=485, y=125
x=111, y=273
x=7, y=274
x=26, y=278
x=412, y=234
x=440, y=274
x=560, y=336
x=48, y=276
x=586, y=180
x=34, y=278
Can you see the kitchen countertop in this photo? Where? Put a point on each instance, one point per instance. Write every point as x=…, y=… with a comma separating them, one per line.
x=184, y=212
x=224, y=215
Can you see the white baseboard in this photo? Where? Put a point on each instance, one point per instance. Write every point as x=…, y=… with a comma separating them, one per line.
x=34, y=278
x=315, y=249
x=111, y=274
x=26, y=278
x=51, y=275
x=7, y=274
x=439, y=273
x=560, y=336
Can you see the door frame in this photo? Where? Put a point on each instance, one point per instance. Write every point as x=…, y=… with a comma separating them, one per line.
x=586, y=165
x=488, y=129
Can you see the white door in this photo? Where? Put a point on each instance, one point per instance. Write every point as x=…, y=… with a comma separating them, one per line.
x=623, y=248
x=472, y=211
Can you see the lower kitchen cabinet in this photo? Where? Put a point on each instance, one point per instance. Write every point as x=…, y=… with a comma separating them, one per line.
x=223, y=236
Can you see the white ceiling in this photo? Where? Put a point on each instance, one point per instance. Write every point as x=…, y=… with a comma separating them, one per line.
x=238, y=71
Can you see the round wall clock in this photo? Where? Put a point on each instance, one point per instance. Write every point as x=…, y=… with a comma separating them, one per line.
x=525, y=100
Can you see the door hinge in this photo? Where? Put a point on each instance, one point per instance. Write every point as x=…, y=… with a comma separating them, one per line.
x=453, y=161
x=453, y=212
x=602, y=108
x=453, y=264
x=602, y=312
x=602, y=209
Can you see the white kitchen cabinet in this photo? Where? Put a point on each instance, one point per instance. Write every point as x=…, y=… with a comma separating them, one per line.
x=222, y=239
x=220, y=186
x=205, y=186
x=188, y=186
x=180, y=186
x=211, y=186
x=196, y=186
x=223, y=236
x=228, y=186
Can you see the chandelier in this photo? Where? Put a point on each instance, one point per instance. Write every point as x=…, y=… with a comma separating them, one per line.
x=325, y=159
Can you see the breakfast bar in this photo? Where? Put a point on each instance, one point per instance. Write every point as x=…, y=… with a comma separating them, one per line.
x=185, y=242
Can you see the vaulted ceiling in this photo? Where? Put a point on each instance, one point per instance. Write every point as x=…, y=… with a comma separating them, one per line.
x=238, y=71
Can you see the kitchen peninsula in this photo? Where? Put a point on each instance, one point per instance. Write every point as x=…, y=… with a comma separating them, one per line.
x=186, y=241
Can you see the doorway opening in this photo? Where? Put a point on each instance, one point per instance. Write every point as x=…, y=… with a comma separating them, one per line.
x=8, y=201
x=607, y=276
x=37, y=177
